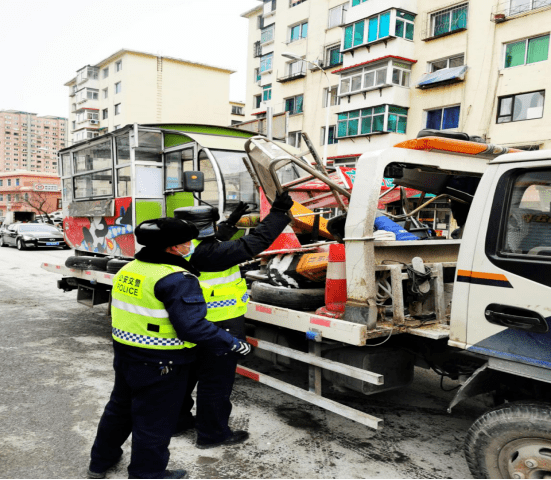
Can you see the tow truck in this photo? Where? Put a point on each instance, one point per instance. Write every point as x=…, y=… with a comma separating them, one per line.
x=474, y=307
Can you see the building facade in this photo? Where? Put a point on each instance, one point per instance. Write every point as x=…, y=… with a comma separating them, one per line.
x=30, y=142
x=29, y=192
x=400, y=67
x=136, y=87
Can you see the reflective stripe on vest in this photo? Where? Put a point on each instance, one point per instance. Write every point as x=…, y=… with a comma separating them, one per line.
x=138, y=317
x=225, y=293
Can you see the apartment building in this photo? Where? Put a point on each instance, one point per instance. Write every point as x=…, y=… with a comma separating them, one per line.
x=310, y=30
x=30, y=142
x=29, y=192
x=237, y=112
x=137, y=87
x=396, y=67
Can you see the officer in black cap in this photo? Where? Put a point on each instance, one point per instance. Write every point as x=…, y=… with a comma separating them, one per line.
x=158, y=315
x=218, y=262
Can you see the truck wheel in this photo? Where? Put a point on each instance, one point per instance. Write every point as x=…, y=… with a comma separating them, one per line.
x=511, y=441
x=20, y=244
x=295, y=298
x=87, y=263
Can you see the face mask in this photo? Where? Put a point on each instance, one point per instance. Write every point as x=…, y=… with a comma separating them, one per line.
x=191, y=250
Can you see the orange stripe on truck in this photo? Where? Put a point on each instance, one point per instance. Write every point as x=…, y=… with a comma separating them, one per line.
x=488, y=276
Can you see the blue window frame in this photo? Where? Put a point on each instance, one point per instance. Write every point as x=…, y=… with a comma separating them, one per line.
x=443, y=118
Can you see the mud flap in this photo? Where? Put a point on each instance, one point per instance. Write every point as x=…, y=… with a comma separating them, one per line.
x=481, y=381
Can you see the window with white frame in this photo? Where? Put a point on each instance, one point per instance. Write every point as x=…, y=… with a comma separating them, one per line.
x=330, y=97
x=522, y=106
x=236, y=110
x=105, y=113
x=333, y=56
x=91, y=94
x=105, y=92
x=118, y=87
x=521, y=6
x=368, y=77
x=266, y=62
x=450, y=62
x=332, y=137
x=117, y=109
x=524, y=52
x=294, y=3
x=105, y=72
x=367, y=30
x=336, y=16
x=257, y=75
x=296, y=68
x=294, y=139
x=294, y=104
x=118, y=66
x=404, y=25
x=449, y=20
x=401, y=73
x=267, y=92
x=269, y=7
x=267, y=34
x=443, y=118
x=298, y=32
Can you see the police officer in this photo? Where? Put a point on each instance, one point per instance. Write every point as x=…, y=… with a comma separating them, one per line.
x=226, y=305
x=158, y=310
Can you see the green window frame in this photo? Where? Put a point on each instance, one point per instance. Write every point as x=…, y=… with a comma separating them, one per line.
x=525, y=52
x=404, y=25
x=382, y=118
x=267, y=92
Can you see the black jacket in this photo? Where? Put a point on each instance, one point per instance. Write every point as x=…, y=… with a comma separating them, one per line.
x=214, y=256
x=183, y=299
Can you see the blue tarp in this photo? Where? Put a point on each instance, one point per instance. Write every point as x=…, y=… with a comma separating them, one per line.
x=443, y=75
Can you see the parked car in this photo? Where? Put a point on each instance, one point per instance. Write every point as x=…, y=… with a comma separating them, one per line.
x=31, y=235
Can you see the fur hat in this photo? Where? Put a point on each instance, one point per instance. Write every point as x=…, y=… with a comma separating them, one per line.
x=165, y=232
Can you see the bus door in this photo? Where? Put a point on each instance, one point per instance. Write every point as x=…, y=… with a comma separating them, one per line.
x=177, y=161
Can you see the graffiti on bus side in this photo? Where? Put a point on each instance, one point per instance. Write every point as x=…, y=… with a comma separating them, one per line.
x=106, y=235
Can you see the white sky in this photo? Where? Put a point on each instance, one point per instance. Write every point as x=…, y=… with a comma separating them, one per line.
x=44, y=42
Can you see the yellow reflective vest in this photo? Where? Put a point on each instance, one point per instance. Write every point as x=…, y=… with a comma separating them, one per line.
x=139, y=319
x=225, y=293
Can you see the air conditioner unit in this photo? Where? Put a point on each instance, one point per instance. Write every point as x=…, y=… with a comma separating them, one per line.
x=93, y=122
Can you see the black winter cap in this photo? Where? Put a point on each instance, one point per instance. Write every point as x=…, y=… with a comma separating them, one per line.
x=165, y=232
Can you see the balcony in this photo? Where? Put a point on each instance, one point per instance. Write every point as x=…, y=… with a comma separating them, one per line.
x=517, y=8
x=295, y=74
x=267, y=35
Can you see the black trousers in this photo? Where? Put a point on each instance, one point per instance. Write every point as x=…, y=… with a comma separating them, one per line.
x=214, y=377
x=146, y=404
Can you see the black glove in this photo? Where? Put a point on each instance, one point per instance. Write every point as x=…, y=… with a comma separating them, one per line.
x=241, y=347
x=241, y=209
x=283, y=202
x=224, y=231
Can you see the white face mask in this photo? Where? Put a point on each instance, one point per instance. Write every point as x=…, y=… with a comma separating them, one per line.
x=191, y=250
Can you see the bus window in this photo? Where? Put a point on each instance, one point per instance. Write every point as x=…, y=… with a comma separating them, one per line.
x=238, y=183
x=66, y=162
x=67, y=190
x=210, y=195
x=124, y=182
x=123, y=149
x=150, y=147
x=93, y=171
x=175, y=164
x=96, y=157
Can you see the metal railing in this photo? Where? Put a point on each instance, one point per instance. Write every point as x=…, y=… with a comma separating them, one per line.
x=512, y=8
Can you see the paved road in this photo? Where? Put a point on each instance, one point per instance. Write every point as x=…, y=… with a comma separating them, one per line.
x=56, y=377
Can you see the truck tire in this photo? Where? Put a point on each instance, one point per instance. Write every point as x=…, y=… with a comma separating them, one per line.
x=114, y=265
x=511, y=441
x=87, y=263
x=305, y=299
